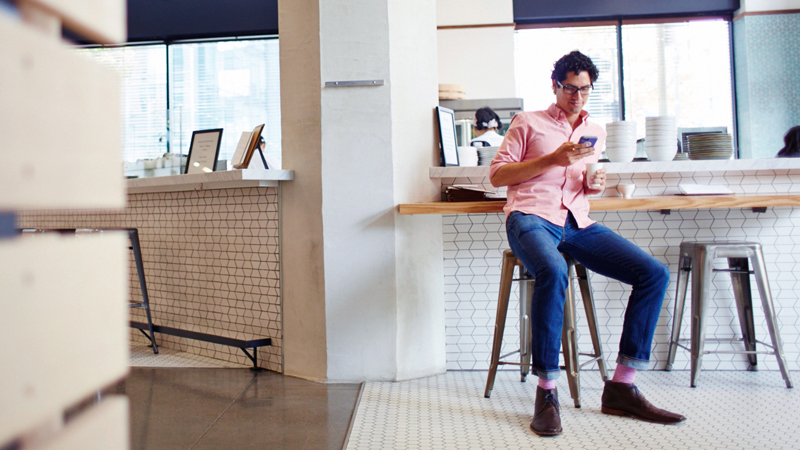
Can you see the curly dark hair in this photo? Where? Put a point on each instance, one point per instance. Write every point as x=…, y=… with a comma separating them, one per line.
x=791, y=140
x=576, y=62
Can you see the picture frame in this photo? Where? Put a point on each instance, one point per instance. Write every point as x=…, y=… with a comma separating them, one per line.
x=447, y=136
x=243, y=161
x=203, y=151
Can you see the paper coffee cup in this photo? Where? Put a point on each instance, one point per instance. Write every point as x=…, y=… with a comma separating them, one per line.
x=591, y=169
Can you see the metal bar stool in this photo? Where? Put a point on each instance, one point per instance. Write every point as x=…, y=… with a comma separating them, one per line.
x=698, y=258
x=568, y=338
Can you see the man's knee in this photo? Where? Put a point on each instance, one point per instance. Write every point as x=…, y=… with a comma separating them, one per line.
x=554, y=270
x=659, y=273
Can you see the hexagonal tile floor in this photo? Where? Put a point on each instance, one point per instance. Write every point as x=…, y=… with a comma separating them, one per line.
x=727, y=410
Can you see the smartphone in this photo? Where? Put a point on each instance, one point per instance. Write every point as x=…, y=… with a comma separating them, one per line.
x=590, y=139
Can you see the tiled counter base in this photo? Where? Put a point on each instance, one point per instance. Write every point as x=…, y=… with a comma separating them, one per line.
x=211, y=259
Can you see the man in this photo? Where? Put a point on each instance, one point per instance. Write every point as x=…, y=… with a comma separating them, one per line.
x=547, y=213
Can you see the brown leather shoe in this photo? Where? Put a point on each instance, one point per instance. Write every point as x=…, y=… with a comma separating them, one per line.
x=622, y=399
x=546, y=415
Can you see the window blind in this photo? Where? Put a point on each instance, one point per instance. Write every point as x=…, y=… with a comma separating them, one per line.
x=143, y=73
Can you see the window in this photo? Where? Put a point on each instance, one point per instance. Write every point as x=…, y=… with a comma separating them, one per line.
x=681, y=69
x=143, y=74
x=169, y=91
x=234, y=85
x=536, y=51
x=678, y=69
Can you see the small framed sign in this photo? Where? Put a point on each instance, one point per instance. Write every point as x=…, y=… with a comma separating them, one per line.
x=204, y=151
x=447, y=136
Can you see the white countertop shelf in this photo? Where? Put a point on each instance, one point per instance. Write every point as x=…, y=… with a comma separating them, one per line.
x=230, y=179
x=726, y=165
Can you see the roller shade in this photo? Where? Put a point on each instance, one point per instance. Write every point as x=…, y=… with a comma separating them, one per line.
x=543, y=11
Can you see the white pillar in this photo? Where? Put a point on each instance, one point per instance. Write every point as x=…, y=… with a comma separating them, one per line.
x=362, y=287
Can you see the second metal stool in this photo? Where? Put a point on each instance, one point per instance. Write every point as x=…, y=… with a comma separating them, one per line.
x=568, y=338
x=698, y=257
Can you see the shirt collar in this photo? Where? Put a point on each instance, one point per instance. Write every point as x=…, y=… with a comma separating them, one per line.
x=558, y=113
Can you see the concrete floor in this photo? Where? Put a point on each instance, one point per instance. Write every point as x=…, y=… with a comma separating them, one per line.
x=234, y=408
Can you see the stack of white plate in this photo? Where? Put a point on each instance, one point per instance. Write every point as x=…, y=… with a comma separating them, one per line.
x=661, y=142
x=486, y=154
x=710, y=146
x=621, y=141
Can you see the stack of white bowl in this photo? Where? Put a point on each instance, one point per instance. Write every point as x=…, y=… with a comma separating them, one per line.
x=621, y=141
x=661, y=141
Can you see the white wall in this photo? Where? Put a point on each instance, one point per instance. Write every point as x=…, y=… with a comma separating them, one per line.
x=419, y=277
x=480, y=58
x=473, y=12
x=767, y=5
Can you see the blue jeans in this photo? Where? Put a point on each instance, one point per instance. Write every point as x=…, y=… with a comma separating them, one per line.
x=539, y=243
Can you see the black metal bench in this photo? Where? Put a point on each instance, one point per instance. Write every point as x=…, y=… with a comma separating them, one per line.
x=238, y=343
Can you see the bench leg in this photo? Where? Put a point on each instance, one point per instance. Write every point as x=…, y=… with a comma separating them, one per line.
x=133, y=234
x=253, y=358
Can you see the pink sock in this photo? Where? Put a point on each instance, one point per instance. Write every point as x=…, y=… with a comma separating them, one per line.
x=547, y=384
x=624, y=374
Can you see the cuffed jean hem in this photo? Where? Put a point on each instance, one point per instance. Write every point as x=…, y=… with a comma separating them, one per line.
x=545, y=375
x=637, y=364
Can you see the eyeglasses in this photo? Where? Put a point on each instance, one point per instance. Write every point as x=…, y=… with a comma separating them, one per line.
x=571, y=90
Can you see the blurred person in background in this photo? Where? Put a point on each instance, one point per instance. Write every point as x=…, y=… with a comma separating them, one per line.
x=791, y=142
x=486, y=123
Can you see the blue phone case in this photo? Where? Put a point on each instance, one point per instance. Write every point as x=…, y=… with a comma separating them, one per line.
x=590, y=139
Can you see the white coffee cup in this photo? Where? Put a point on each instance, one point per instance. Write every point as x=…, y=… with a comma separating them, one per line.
x=626, y=190
x=591, y=169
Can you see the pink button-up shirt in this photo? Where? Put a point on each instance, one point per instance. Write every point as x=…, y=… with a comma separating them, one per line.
x=553, y=193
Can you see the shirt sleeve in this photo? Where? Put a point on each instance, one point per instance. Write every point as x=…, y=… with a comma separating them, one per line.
x=514, y=145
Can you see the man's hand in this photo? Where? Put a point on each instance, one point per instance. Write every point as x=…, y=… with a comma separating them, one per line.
x=569, y=153
x=599, y=179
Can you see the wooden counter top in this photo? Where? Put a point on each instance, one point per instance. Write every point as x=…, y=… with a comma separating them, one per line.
x=618, y=204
